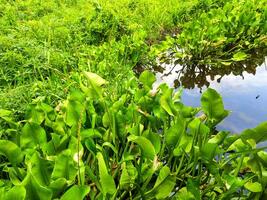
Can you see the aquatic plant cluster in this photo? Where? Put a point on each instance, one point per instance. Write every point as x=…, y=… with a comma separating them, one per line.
x=77, y=122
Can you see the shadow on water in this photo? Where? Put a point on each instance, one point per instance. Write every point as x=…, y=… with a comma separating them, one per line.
x=243, y=86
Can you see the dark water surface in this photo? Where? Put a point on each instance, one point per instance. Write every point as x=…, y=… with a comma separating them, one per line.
x=243, y=88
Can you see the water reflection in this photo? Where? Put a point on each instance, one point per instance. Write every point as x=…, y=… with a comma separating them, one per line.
x=243, y=87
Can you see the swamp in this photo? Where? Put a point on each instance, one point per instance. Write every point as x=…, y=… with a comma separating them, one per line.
x=133, y=99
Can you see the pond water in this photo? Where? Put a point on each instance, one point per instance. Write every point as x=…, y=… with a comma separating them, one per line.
x=243, y=88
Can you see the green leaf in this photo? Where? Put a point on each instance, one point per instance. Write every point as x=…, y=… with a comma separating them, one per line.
x=198, y=128
x=32, y=135
x=233, y=184
x=163, y=174
x=259, y=134
x=64, y=166
x=146, y=146
x=11, y=151
x=219, y=137
x=183, y=194
x=164, y=184
x=76, y=193
x=58, y=186
x=5, y=113
x=34, y=191
x=16, y=193
x=263, y=157
x=35, y=114
x=193, y=187
x=41, y=169
x=154, y=139
x=239, y=56
x=75, y=111
x=147, y=78
x=90, y=133
x=94, y=79
x=128, y=175
x=185, y=145
x=174, y=133
x=208, y=151
x=106, y=180
x=253, y=187
x=212, y=106
x=166, y=101
x=239, y=146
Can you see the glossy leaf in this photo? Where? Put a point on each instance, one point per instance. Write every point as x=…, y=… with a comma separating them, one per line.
x=64, y=166
x=253, y=187
x=94, y=79
x=212, y=105
x=239, y=56
x=146, y=146
x=174, y=133
x=259, y=134
x=147, y=78
x=11, y=151
x=76, y=192
x=16, y=193
x=34, y=190
x=128, y=175
x=32, y=135
x=106, y=180
x=164, y=184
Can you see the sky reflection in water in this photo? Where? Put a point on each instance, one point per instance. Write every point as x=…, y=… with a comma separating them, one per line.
x=246, y=97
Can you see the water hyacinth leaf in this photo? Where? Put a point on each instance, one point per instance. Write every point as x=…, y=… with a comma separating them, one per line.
x=75, y=112
x=219, y=137
x=111, y=146
x=166, y=101
x=185, y=145
x=76, y=192
x=106, y=120
x=76, y=95
x=58, y=186
x=154, y=138
x=41, y=169
x=212, y=105
x=64, y=166
x=35, y=114
x=253, y=187
x=5, y=113
x=146, y=146
x=259, y=134
x=254, y=165
x=32, y=135
x=239, y=56
x=233, y=184
x=209, y=150
x=197, y=127
x=163, y=174
x=34, y=190
x=147, y=78
x=106, y=180
x=164, y=184
x=239, y=146
x=11, y=151
x=94, y=89
x=174, y=133
x=184, y=194
x=94, y=79
x=91, y=146
x=193, y=187
x=263, y=157
x=128, y=176
x=15, y=193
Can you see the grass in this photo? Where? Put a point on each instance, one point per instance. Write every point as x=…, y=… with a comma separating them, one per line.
x=107, y=136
